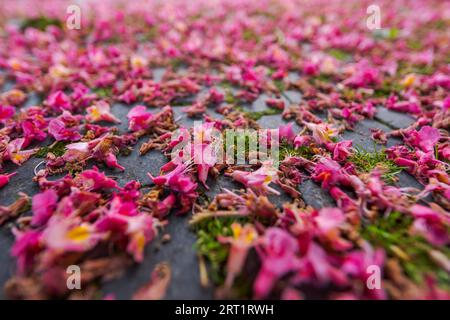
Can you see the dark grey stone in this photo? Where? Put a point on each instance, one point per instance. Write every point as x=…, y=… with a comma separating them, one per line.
x=293, y=96
x=180, y=252
x=314, y=195
x=393, y=119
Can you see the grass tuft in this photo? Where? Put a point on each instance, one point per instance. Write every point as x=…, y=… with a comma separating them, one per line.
x=287, y=150
x=40, y=23
x=366, y=161
x=256, y=115
x=215, y=252
x=392, y=234
x=103, y=92
x=57, y=148
x=340, y=54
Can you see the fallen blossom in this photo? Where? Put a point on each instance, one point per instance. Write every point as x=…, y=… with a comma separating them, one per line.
x=101, y=111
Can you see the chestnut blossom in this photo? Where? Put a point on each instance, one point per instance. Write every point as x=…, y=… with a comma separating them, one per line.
x=431, y=224
x=258, y=180
x=243, y=238
x=278, y=254
x=325, y=74
x=4, y=178
x=322, y=133
x=139, y=118
x=15, y=154
x=6, y=112
x=100, y=111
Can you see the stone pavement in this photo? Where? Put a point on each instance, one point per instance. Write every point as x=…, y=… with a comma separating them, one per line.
x=179, y=251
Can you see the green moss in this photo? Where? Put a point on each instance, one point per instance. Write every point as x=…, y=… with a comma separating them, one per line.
x=58, y=149
x=225, y=84
x=177, y=63
x=229, y=97
x=441, y=24
x=250, y=35
x=287, y=150
x=103, y=92
x=392, y=234
x=387, y=88
x=340, y=54
x=389, y=34
x=181, y=102
x=423, y=69
x=40, y=23
x=393, y=33
x=405, y=68
x=366, y=161
x=151, y=34
x=280, y=85
x=256, y=115
x=208, y=245
x=239, y=140
x=321, y=77
x=414, y=44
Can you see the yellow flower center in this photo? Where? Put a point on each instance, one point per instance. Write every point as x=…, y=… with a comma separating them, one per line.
x=95, y=113
x=138, y=62
x=250, y=236
x=236, y=228
x=78, y=234
x=140, y=241
x=17, y=157
x=409, y=80
x=15, y=65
